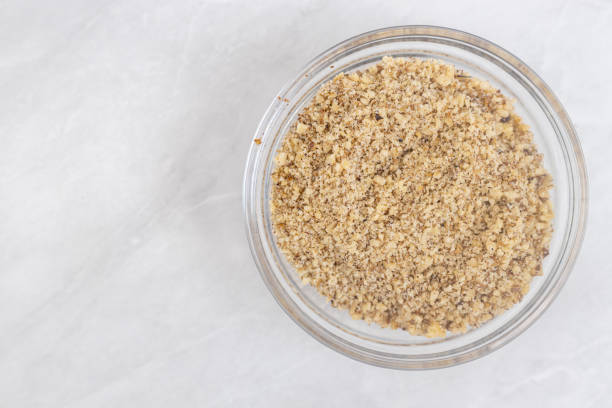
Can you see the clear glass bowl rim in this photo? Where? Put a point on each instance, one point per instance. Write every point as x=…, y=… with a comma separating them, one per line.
x=577, y=228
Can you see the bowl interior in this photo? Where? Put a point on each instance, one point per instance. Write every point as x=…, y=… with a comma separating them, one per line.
x=397, y=348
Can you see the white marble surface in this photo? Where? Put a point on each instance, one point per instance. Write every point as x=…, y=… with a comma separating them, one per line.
x=125, y=277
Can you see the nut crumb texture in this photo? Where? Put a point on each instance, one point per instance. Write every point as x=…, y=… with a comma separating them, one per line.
x=412, y=195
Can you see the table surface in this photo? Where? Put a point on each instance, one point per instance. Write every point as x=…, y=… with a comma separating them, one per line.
x=125, y=276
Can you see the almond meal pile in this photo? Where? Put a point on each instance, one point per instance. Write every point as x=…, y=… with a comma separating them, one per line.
x=412, y=195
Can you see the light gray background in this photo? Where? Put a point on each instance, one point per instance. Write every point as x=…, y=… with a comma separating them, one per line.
x=125, y=276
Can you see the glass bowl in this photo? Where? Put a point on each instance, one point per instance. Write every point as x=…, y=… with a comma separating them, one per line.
x=553, y=134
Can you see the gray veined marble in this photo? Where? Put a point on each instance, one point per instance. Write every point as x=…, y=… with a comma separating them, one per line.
x=125, y=277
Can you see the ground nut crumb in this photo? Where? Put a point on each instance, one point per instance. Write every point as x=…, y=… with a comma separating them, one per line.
x=412, y=195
